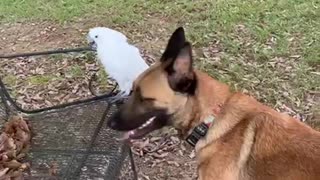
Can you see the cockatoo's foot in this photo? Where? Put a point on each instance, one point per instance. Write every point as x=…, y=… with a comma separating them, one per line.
x=118, y=98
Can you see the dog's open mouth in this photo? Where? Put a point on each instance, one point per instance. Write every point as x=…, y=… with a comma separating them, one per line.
x=142, y=130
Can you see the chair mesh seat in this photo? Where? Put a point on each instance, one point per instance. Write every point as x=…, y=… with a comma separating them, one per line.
x=75, y=141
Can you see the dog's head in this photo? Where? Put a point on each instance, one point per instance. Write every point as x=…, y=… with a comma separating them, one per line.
x=162, y=94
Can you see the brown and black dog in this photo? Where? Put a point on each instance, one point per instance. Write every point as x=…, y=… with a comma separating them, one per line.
x=246, y=140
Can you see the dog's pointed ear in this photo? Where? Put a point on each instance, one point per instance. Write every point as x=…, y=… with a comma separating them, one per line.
x=181, y=76
x=176, y=42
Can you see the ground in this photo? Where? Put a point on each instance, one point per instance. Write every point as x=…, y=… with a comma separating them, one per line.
x=267, y=49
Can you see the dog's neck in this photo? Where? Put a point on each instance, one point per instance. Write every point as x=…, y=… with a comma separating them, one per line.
x=210, y=95
x=209, y=99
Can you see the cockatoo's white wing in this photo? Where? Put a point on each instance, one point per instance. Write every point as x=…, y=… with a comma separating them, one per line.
x=123, y=63
x=136, y=61
x=132, y=62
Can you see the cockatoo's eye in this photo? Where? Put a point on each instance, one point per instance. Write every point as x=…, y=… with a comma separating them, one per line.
x=96, y=36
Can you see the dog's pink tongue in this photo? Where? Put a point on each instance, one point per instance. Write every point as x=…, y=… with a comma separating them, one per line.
x=125, y=136
x=133, y=134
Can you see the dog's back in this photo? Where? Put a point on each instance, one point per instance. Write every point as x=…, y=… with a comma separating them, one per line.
x=284, y=148
x=263, y=145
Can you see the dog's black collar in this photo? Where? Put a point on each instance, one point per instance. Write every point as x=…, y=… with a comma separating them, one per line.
x=200, y=131
x=197, y=133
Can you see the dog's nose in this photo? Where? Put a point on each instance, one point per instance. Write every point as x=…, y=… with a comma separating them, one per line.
x=113, y=121
x=112, y=124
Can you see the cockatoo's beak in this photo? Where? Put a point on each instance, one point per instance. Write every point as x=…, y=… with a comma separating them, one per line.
x=92, y=43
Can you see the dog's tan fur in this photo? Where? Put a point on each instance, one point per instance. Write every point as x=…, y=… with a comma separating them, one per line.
x=247, y=140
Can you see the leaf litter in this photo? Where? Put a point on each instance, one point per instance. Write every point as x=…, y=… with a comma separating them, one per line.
x=15, y=142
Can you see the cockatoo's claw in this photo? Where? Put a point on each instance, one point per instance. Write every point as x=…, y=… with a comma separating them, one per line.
x=113, y=100
x=118, y=98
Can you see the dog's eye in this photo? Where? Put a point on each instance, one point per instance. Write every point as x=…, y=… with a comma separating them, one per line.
x=147, y=99
x=96, y=36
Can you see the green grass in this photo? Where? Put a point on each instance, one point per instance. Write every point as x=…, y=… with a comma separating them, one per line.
x=40, y=79
x=284, y=20
x=10, y=79
x=269, y=46
x=65, y=10
x=76, y=71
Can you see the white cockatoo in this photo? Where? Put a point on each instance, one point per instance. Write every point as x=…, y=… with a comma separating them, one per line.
x=121, y=60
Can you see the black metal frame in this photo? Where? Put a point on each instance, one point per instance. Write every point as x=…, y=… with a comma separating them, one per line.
x=6, y=99
x=5, y=96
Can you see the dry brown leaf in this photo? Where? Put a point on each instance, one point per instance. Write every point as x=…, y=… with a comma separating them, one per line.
x=14, y=138
x=162, y=155
x=53, y=168
x=3, y=172
x=13, y=164
x=173, y=163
